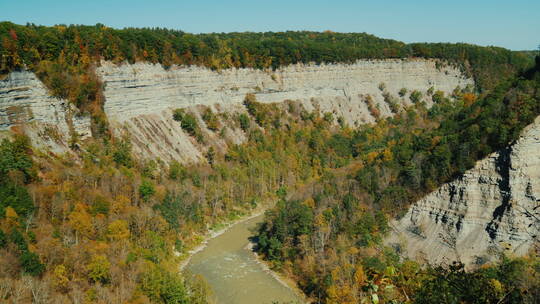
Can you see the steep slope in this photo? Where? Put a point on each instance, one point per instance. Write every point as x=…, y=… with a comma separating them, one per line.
x=140, y=97
x=49, y=121
x=491, y=209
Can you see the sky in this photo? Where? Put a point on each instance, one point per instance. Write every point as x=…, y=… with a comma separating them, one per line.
x=513, y=24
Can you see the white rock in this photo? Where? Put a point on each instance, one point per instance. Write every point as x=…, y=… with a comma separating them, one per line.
x=481, y=215
x=140, y=96
x=24, y=100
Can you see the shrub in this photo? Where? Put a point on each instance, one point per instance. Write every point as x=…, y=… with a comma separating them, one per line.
x=211, y=120
x=177, y=171
x=402, y=92
x=243, y=119
x=188, y=122
x=415, y=96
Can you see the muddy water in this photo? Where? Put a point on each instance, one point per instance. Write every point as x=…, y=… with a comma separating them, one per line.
x=231, y=270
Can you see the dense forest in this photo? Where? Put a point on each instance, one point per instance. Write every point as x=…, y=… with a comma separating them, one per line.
x=328, y=235
x=64, y=57
x=101, y=226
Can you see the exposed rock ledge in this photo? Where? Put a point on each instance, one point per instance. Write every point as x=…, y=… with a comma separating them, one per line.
x=47, y=120
x=492, y=209
x=140, y=96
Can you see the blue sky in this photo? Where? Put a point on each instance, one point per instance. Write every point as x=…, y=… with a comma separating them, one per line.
x=513, y=24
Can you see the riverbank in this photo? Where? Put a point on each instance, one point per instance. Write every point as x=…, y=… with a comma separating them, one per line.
x=211, y=234
x=280, y=277
x=233, y=271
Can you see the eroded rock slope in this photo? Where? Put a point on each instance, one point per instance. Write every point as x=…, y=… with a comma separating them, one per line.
x=24, y=101
x=140, y=97
x=493, y=208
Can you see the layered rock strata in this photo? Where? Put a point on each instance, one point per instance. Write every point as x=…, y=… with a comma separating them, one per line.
x=24, y=101
x=492, y=209
x=140, y=97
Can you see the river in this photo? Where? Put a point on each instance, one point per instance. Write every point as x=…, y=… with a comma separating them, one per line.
x=233, y=273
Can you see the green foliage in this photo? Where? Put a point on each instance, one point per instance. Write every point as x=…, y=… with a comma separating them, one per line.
x=172, y=208
x=100, y=206
x=162, y=286
x=17, y=197
x=15, y=156
x=415, y=96
x=31, y=263
x=291, y=220
x=438, y=96
x=402, y=92
x=154, y=247
x=3, y=239
x=122, y=153
x=188, y=122
x=177, y=171
x=243, y=119
x=210, y=119
x=455, y=285
x=17, y=238
x=146, y=190
x=211, y=155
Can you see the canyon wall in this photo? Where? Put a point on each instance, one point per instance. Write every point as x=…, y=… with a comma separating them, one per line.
x=140, y=97
x=493, y=208
x=49, y=121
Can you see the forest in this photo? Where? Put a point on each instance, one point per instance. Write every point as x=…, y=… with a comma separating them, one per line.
x=102, y=226
x=343, y=261
x=64, y=56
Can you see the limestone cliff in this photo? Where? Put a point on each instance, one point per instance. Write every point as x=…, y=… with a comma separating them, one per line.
x=47, y=120
x=493, y=208
x=140, y=96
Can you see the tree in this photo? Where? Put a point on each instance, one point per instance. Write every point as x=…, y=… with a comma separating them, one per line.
x=98, y=269
x=31, y=264
x=146, y=190
x=118, y=230
x=81, y=221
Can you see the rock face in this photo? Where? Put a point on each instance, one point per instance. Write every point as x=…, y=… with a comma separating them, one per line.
x=140, y=99
x=140, y=96
x=49, y=121
x=492, y=209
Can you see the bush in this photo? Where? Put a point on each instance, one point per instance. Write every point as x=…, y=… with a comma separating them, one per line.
x=177, y=171
x=188, y=123
x=402, y=92
x=244, y=122
x=211, y=120
x=415, y=96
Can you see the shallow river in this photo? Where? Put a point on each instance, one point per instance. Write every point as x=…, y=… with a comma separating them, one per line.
x=232, y=271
